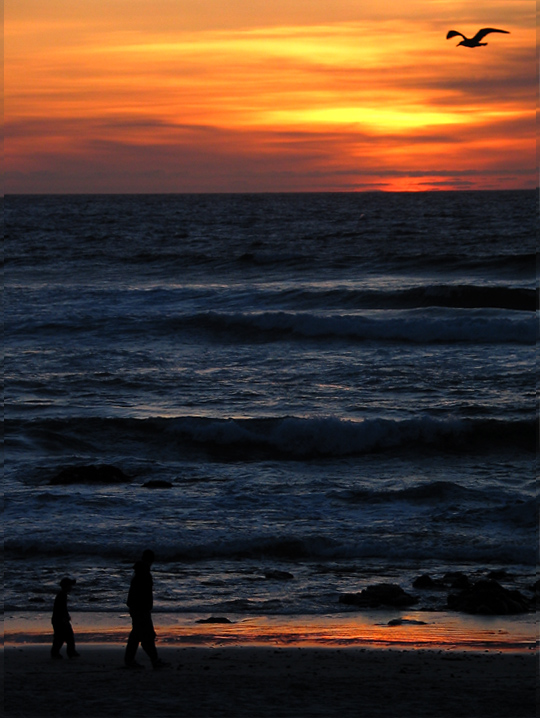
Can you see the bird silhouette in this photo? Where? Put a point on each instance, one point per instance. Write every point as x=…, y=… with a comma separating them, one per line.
x=474, y=41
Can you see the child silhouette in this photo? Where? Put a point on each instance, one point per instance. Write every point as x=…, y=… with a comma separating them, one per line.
x=61, y=621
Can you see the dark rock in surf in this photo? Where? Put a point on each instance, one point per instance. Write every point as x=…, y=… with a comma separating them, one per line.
x=535, y=589
x=425, y=581
x=383, y=594
x=278, y=575
x=500, y=575
x=489, y=598
x=101, y=474
x=457, y=580
x=157, y=484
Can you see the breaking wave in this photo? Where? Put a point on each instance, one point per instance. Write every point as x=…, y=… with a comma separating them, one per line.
x=480, y=327
x=288, y=437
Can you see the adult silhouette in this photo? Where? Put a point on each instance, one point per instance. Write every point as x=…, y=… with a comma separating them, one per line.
x=140, y=602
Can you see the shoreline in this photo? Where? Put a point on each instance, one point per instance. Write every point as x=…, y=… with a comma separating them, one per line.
x=366, y=629
x=282, y=682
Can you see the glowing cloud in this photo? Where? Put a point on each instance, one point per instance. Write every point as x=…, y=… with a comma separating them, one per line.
x=155, y=95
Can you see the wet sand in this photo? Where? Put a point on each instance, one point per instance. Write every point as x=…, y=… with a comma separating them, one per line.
x=256, y=682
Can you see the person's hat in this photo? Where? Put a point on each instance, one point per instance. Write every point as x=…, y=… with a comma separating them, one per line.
x=67, y=582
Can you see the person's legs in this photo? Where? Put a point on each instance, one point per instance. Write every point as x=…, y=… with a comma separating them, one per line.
x=148, y=638
x=70, y=642
x=132, y=644
x=58, y=642
x=143, y=632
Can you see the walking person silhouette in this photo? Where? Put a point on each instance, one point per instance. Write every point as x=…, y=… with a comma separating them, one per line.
x=61, y=621
x=140, y=602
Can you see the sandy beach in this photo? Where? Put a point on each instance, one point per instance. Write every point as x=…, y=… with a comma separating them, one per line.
x=204, y=682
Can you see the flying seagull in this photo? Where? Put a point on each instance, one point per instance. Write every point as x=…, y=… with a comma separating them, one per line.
x=474, y=41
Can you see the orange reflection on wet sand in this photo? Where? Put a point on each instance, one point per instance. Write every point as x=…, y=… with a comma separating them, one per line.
x=405, y=631
x=371, y=630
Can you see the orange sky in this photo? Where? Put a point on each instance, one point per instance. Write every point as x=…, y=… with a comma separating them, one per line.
x=251, y=95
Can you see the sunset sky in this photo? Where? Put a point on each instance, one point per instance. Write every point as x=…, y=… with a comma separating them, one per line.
x=267, y=95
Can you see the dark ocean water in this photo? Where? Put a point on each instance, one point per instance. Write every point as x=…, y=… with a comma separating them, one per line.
x=339, y=386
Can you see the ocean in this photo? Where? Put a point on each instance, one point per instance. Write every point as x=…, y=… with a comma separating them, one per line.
x=330, y=390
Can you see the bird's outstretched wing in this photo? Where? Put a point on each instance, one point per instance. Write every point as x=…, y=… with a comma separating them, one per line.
x=453, y=33
x=485, y=31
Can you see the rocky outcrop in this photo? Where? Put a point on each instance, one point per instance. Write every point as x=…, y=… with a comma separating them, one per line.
x=382, y=594
x=426, y=582
x=450, y=580
x=457, y=580
x=101, y=474
x=487, y=597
